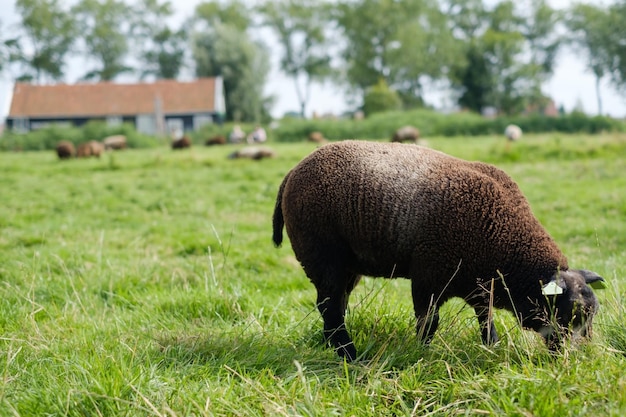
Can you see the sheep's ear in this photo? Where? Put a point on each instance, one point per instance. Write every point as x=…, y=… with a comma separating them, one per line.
x=551, y=288
x=594, y=280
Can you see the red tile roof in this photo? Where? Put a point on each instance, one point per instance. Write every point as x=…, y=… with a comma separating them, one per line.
x=107, y=98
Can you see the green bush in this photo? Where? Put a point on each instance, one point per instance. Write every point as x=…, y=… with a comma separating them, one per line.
x=210, y=130
x=432, y=123
x=39, y=140
x=377, y=126
x=381, y=125
x=48, y=137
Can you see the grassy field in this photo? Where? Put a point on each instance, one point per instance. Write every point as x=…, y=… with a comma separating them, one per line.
x=146, y=284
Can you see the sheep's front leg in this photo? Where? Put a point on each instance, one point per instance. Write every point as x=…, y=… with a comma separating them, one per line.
x=426, y=312
x=487, y=329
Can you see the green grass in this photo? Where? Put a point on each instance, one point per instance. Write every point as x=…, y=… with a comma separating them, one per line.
x=145, y=283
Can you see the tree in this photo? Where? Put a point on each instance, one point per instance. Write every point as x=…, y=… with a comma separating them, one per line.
x=161, y=49
x=380, y=98
x=538, y=26
x=223, y=49
x=105, y=29
x=47, y=34
x=300, y=28
x=496, y=72
x=503, y=44
x=591, y=31
x=616, y=43
x=430, y=58
x=3, y=51
x=471, y=74
x=467, y=18
x=404, y=42
x=476, y=80
x=8, y=49
x=234, y=13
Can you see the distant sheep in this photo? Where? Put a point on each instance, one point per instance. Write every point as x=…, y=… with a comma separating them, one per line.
x=455, y=228
x=215, y=140
x=317, y=137
x=181, y=143
x=513, y=133
x=91, y=148
x=406, y=134
x=237, y=135
x=258, y=135
x=253, y=152
x=115, y=142
x=65, y=149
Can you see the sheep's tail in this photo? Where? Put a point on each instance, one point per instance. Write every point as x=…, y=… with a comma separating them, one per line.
x=278, y=221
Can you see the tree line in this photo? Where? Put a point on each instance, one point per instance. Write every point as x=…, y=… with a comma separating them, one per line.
x=383, y=54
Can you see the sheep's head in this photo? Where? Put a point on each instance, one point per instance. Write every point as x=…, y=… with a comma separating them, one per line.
x=571, y=305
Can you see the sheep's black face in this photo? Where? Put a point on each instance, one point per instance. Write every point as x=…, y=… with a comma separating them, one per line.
x=572, y=307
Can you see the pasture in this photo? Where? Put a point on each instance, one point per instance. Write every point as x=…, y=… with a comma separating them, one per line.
x=145, y=283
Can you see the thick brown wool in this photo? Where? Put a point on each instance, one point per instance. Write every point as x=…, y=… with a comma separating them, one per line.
x=413, y=210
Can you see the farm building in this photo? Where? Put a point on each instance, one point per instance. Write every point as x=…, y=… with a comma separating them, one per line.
x=160, y=107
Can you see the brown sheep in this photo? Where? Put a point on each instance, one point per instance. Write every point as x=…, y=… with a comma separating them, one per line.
x=115, y=142
x=406, y=134
x=317, y=137
x=83, y=150
x=181, y=143
x=91, y=148
x=216, y=140
x=454, y=228
x=65, y=149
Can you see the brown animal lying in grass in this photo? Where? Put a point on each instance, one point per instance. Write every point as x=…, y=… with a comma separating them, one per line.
x=215, y=140
x=253, y=152
x=91, y=148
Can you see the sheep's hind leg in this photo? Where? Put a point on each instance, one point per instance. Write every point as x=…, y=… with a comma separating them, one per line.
x=352, y=283
x=330, y=306
x=332, y=301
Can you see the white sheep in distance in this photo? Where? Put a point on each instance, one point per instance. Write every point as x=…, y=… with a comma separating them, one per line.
x=454, y=228
x=115, y=142
x=513, y=133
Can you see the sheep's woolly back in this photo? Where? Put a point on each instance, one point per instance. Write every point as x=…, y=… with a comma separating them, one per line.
x=402, y=210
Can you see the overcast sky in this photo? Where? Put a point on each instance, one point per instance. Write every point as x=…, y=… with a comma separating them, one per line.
x=571, y=84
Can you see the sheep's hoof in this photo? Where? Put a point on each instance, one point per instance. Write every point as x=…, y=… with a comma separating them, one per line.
x=553, y=344
x=490, y=339
x=347, y=351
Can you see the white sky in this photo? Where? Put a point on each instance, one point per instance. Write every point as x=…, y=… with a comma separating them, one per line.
x=571, y=84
